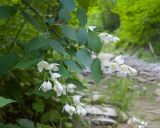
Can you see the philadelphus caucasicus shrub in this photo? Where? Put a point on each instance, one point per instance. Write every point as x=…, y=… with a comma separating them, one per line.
x=53, y=80
x=75, y=106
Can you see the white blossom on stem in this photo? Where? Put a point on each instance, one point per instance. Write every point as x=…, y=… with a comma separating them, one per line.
x=91, y=28
x=76, y=99
x=119, y=59
x=113, y=67
x=70, y=88
x=58, y=88
x=55, y=76
x=69, y=109
x=80, y=110
x=46, y=86
x=52, y=67
x=42, y=65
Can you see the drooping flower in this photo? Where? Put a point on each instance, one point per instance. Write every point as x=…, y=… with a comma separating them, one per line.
x=113, y=67
x=76, y=99
x=123, y=70
x=46, y=86
x=58, y=88
x=42, y=65
x=132, y=71
x=119, y=59
x=108, y=38
x=52, y=67
x=55, y=76
x=69, y=109
x=70, y=88
x=91, y=28
x=80, y=110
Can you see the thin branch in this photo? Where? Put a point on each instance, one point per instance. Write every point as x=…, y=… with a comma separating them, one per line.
x=16, y=36
x=32, y=9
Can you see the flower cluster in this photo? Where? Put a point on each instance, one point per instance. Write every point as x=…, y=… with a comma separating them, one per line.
x=76, y=108
x=137, y=123
x=53, y=83
x=108, y=38
x=116, y=65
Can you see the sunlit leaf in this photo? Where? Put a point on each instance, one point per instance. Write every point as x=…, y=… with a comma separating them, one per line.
x=64, y=15
x=73, y=65
x=84, y=57
x=94, y=42
x=69, y=32
x=57, y=46
x=96, y=70
x=37, y=43
x=4, y=101
x=68, y=4
x=82, y=17
x=82, y=36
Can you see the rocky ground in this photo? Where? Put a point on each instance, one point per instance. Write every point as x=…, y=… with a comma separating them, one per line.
x=105, y=116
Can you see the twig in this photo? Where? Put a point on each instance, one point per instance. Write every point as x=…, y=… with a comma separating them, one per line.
x=16, y=37
x=32, y=9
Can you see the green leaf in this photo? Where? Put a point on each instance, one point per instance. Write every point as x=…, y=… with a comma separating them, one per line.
x=7, y=11
x=94, y=42
x=64, y=15
x=27, y=62
x=38, y=106
x=73, y=65
x=82, y=17
x=82, y=36
x=68, y=4
x=76, y=82
x=31, y=20
x=57, y=46
x=51, y=115
x=25, y=123
x=7, y=62
x=96, y=70
x=69, y=32
x=37, y=43
x=4, y=101
x=84, y=57
x=63, y=71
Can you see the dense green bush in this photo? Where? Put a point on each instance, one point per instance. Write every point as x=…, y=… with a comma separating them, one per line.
x=37, y=30
x=139, y=22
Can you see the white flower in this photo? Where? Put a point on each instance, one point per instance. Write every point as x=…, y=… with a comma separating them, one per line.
x=108, y=38
x=115, y=39
x=76, y=99
x=46, y=86
x=91, y=28
x=52, y=67
x=123, y=70
x=119, y=59
x=70, y=88
x=69, y=109
x=55, y=76
x=58, y=88
x=132, y=71
x=42, y=65
x=113, y=67
x=80, y=110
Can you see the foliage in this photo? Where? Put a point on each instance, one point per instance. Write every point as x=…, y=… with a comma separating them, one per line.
x=139, y=22
x=42, y=30
x=123, y=93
